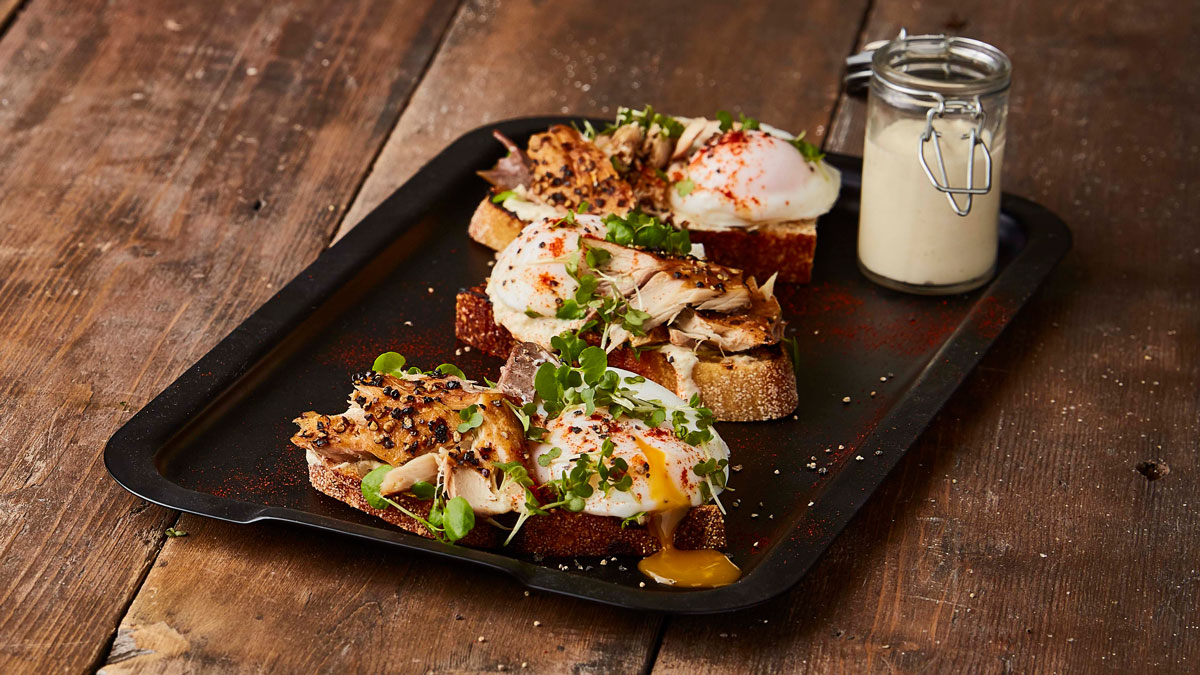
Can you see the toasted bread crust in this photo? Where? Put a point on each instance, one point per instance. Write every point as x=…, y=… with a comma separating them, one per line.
x=493, y=225
x=752, y=386
x=786, y=248
x=561, y=533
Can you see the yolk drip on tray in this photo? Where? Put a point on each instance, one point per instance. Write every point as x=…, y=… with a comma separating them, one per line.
x=705, y=568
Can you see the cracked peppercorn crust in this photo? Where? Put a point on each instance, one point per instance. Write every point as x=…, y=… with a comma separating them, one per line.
x=569, y=170
x=557, y=534
x=751, y=386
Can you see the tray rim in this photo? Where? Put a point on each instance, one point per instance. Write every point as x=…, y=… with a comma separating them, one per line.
x=130, y=454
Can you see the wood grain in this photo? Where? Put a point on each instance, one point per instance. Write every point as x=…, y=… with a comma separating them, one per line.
x=224, y=587
x=163, y=167
x=285, y=599
x=1018, y=535
x=775, y=60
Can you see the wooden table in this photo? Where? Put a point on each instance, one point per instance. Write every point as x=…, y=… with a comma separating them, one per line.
x=165, y=166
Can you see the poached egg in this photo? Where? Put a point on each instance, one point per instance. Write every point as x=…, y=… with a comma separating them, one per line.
x=742, y=178
x=660, y=464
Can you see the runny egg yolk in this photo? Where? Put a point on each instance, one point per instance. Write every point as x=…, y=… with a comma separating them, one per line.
x=705, y=568
x=663, y=490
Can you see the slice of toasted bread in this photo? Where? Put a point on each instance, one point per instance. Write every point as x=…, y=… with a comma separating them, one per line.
x=558, y=534
x=787, y=248
x=745, y=387
x=493, y=225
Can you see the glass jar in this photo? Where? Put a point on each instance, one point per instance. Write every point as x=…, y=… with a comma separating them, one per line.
x=931, y=164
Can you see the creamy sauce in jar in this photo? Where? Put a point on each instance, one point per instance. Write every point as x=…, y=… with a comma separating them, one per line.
x=907, y=230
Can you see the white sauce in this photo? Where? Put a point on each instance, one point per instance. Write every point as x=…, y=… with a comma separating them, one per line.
x=684, y=361
x=521, y=205
x=525, y=328
x=907, y=230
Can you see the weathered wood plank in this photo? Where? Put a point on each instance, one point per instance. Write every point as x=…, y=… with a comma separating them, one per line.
x=774, y=60
x=1018, y=535
x=224, y=586
x=283, y=599
x=163, y=167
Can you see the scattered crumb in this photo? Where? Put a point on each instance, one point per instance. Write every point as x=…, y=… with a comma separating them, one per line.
x=539, y=623
x=776, y=472
x=173, y=25
x=252, y=71
x=858, y=458
x=430, y=289
x=481, y=639
x=883, y=379
x=811, y=503
x=753, y=515
x=641, y=584
x=872, y=394
x=524, y=664
x=527, y=594
x=845, y=399
x=407, y=323
x=1042, y=555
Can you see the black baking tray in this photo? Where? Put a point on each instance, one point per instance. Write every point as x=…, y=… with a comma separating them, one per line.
x=215, y=442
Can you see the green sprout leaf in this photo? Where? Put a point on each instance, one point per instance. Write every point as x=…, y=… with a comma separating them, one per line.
x=389, y=363
x=635, y=519
x=726, y=120
x=593, y=362
x=548, y=457
x=459, y=519
x=810, y=152
x=793, y=352
x=423, y=490
x=500, y=197
x=471, y=418
x=450, y=369
x=685, y=187
x=371, y=484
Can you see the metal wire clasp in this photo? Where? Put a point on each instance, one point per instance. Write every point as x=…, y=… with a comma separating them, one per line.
x=975, y=110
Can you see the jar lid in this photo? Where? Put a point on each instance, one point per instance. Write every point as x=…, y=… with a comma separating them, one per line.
x=941, y=65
